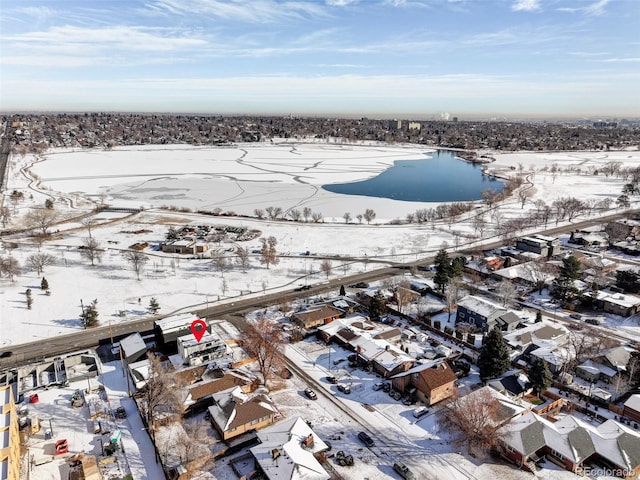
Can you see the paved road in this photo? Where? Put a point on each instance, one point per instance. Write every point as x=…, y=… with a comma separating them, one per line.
x=28, y=352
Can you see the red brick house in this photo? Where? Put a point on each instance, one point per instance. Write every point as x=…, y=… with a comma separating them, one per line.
x=433, y=382
x=316, y=317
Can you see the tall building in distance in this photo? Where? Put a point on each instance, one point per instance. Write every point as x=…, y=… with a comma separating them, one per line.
x=9, y=436
x=395, y=124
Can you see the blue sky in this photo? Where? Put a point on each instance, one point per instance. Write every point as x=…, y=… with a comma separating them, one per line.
x=376, y=58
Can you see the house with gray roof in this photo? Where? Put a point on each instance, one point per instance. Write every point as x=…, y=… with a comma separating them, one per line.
x=289, y=450
x=484, y=314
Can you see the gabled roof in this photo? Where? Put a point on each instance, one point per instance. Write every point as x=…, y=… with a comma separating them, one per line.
x=480, y=306
x=233, y=409
x=633, y=402
x=281, y=454
x=203, y=389
x=438, y=375
x=318, y=314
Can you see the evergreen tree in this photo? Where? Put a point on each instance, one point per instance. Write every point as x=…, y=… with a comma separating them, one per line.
x=494, y=355
x=538, y=316
x=443, y=270
x=378, y=305
x=44, y=285
x=89, y=315
x=29, y=298
x=570, y=268
x=539, y=376
x=154, y=306
x=563, y=287
x=343, y=292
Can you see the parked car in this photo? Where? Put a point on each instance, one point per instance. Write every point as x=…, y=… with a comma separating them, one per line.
x=346, y=389
x=338, y=360
x=332, y=379
x=120, y=413
x=6, y=354
x=403, y=471
x=366, y=439
x=360, y=285
x=395, y=394
x=420, y=412
x=310, y=394
x=386, y=387
x=378, y=386
x=576, y=316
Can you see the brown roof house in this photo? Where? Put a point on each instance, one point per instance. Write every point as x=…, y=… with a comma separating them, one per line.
x=199, y=395
x=432, y=382
x=316, y=317
x=234, y=413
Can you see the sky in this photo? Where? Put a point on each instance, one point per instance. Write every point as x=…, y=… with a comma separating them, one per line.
x=418, y=59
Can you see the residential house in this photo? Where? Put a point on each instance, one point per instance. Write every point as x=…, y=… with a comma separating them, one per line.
x=514, y=384
x=198, y=396
x=289, y=450
x=556, y=357
x=383, y=357
x=592, y=371
x=234, y=413
x=571, y=443
x=632, y=408
x=613, y=302
x=315, y=317
x=195, y=352
x=539, y=244
x=484, y=314
x=133, y=348
x=391, y=335
x=524, y=340
x=430, y=382
x=527, y=274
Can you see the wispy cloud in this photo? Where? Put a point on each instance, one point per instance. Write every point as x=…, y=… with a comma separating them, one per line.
x=621, y=60
x=593, y=9
x=526, y=6
x=255, y=11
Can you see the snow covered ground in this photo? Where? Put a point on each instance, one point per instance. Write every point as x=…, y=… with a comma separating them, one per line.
x=74, y=179
x=245, y=178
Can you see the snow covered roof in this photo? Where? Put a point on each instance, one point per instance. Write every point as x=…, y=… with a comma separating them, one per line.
x=574, y=439
x=133, y=345
x=597, y=368
x=633, y=402
x=175, y=322
x=480, y=306
x=614, y=298
x=287, y=449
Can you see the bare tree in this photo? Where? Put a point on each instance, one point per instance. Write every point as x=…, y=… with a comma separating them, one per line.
x=137, y=260
x=219, y=261
x=264, y=340
x=89, y=223
x=258, y=212
x=10, y=267
x=404, y=295
x=243, y=257
x=316, y=217
x=295, y=215
x=359, y=217
x=473, y=420
x=347, y=217
x=41, y=218
x=38, y=261
x=158, y=395
x=91, y=250
x=268, y=251
x=325, y=266
x=451, y=295
x=369, y=215
x=524, y=194
x=274, y=212
x=306, y=213
x=506, y=293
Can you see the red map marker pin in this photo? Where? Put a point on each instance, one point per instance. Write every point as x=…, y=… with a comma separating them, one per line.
x=198, y=328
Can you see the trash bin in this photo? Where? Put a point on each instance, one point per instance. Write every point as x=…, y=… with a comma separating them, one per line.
x=47, y=434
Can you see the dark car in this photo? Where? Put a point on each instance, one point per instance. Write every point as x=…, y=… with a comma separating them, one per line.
x=6, y=354
x=346, y=389
x=360, y=285
x=332, y=379
x=310, y=394
x=120, y=413
x=366, y=439
x=403, y=471
x=302, y=288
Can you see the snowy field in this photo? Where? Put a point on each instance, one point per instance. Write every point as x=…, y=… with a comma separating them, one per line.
x=241, y=179
x=246, y=177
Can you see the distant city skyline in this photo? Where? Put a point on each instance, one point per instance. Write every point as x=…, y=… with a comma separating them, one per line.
x=349, y=58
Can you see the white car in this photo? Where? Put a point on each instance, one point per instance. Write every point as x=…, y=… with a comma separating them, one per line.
x=420, y=412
